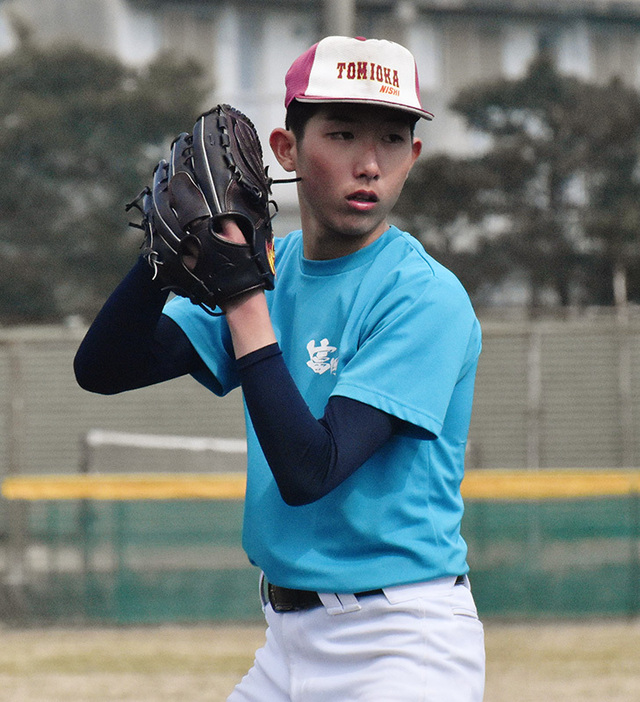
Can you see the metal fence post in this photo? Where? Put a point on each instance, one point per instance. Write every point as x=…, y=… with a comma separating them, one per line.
x=625, y=374
x=17, y=510
x=534, y=396
x=634, y=554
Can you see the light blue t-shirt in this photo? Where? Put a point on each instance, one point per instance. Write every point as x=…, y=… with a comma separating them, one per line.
x=391, y=327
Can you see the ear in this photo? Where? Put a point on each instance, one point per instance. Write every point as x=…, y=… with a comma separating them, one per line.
x=283, y=145
x=416, y=148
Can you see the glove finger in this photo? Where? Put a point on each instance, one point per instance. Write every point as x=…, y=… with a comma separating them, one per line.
x=226, y=146
x=208, y=160
x=181, y=154
x=187, y=200
x=164, y=218
x=246, y=152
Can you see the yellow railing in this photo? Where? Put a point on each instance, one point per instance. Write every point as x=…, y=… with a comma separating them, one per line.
x=549, y=484
x=477, y=485
x=128, y=486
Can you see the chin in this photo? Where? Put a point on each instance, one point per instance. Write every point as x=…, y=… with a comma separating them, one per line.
x=364, y=230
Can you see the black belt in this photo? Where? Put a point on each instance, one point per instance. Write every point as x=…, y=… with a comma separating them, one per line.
x=284, y=599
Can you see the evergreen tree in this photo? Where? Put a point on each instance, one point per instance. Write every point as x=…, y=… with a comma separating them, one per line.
x=612, y=221
x=553, y=202
x=81, y=133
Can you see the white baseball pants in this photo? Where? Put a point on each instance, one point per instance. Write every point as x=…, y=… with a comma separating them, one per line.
x=415, y=643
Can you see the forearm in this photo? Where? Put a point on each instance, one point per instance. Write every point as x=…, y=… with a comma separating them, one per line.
x=249, y=323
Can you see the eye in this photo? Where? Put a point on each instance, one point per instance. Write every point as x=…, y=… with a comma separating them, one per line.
x=341, y=135
x=394, y=138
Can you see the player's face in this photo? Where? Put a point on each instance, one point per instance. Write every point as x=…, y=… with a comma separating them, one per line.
x=353, y=161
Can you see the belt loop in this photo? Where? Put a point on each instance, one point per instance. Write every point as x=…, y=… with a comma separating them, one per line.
x=336, y=603
x=264, y=599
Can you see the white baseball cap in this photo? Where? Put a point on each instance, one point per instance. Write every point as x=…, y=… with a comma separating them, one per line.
x=356, y=70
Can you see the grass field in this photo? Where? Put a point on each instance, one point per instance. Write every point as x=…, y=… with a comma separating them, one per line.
x=589, y=662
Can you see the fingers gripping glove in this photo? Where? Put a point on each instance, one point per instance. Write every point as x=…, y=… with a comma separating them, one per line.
x=216, y=173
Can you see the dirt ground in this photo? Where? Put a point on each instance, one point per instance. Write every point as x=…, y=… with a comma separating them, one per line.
x=589, y=662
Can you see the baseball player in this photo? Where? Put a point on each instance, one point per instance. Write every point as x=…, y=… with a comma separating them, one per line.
x=357, y=368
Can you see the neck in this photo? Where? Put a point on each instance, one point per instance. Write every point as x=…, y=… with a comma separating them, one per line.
x=329, y=244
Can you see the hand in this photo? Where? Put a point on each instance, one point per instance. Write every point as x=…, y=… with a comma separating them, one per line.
x=230, y=231
x=247, y=314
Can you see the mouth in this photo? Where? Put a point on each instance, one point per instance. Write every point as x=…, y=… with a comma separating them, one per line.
x=362, y=199
x=363, y=196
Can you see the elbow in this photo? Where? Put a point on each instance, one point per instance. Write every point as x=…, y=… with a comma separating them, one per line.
x=91, y=380
x=83, y=376
x=294, y=500
x=298, y=495
x=303, y=478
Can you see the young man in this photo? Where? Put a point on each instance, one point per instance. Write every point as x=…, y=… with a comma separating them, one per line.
x=357, y=373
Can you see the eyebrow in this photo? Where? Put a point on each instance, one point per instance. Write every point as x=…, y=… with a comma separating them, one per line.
x=335, y=114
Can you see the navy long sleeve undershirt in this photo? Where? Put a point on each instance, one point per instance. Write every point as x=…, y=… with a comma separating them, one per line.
x=131, y=344
x=308, y=457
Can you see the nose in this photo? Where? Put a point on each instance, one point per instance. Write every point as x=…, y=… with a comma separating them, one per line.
x=367, y=165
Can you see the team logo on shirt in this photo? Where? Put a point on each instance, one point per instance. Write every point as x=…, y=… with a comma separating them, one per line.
x=321, y=357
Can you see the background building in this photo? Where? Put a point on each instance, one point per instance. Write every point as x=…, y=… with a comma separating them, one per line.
x=246, y=46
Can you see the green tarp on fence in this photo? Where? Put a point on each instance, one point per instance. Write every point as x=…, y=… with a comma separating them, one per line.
x=181, y=561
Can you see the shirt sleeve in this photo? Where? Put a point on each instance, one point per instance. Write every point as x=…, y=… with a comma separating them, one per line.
x=417, y=342
x=211, y=339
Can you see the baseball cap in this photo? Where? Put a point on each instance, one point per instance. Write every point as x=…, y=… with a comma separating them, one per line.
x=356, y=70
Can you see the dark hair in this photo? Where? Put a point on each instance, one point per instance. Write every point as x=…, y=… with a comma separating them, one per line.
x=299, y=113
